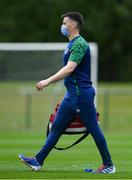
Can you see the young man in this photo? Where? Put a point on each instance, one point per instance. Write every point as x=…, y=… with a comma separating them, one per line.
x=79, y=98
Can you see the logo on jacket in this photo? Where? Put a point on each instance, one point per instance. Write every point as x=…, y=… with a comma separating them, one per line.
x=66, y=50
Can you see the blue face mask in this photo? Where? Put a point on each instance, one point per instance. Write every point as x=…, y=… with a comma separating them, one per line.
x=64, y=30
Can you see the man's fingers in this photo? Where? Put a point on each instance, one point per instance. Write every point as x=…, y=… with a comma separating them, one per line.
x=39, y=86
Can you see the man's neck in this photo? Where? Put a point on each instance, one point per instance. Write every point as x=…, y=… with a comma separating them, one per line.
x=73, y=35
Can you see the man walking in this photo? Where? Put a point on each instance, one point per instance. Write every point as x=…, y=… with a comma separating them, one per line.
x=79, y=98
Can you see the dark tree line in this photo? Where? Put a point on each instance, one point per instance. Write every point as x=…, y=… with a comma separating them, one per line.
x=107, y=22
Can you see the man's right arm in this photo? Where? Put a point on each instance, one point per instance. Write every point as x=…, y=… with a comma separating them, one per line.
x=61, y=74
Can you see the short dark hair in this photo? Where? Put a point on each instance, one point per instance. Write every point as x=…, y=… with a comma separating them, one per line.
x=76, y=16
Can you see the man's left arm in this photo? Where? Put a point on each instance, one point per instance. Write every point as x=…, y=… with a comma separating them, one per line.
x=61, y=74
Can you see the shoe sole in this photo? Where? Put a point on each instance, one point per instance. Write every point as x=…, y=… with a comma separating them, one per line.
x=32, y=167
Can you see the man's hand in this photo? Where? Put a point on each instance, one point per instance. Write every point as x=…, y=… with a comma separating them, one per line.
x=42, y=84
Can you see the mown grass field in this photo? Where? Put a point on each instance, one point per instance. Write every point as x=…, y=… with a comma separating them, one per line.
x=69, y=164
x=16, y=137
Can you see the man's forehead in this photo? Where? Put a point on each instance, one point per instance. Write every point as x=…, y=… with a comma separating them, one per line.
x=67, y=19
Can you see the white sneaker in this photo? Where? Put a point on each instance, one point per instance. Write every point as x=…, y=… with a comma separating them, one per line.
x=102, y=169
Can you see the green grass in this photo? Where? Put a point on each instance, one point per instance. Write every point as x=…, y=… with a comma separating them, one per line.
x=13, y=107
x=67, y=164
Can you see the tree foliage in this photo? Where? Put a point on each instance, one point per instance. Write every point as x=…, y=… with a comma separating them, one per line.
x=107, y=22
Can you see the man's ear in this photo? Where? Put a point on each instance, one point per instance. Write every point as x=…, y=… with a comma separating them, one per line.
x=74, y=24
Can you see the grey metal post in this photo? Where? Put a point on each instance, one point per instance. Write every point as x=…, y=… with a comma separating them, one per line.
x=106, y=111
x=28, y=111
x=94, y=67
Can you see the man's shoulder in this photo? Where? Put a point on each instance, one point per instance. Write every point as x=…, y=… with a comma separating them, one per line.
x=81, y=39
x=80, y=42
